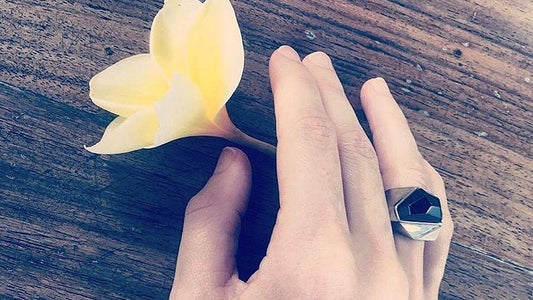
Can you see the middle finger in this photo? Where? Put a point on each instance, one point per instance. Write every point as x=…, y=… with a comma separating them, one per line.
x=309, y=172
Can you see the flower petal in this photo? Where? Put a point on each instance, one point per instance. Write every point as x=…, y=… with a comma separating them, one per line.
x=203, y=42
x=216, y=54
x=169, y=34
x=128, y=86
x=128, y=134
x=181, y=113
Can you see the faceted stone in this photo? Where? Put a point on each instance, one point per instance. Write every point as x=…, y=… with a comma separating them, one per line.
x=419, y=206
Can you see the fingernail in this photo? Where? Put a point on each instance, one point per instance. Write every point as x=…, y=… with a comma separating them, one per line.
x=320, y=59
x=225, y=160
x=380, y=86
x=289, y=53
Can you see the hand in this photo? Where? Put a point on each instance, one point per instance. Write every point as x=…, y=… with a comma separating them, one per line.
x=333, y=236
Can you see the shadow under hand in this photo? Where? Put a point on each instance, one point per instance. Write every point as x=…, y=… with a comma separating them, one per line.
x=260, y=217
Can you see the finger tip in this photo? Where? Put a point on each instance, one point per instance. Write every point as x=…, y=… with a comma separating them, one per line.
x=283, y=59
x=379, y=79
x=239, y=158
x=320, y=59
x=373, y=81
x=374, y=87
x=365, y=89
x=380, y=84
x=287, y=52
x=232, y=176
x=240, y=170
x=244, y=161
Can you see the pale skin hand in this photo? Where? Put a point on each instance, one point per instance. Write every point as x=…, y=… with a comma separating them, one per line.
x=332, y=238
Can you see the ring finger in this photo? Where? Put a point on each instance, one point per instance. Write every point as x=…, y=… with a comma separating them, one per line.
x=401, y=165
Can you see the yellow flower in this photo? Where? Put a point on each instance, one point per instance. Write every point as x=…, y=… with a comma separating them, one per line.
x=180, y=89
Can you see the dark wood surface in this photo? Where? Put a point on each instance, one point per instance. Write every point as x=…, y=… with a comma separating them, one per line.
x=74, y=225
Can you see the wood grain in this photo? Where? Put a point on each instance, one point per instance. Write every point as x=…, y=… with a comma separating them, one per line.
x=79, y=226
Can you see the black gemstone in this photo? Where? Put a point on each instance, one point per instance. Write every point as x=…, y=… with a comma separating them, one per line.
x=420, y=206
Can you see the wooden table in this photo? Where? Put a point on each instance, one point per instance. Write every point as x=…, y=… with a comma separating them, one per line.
x=74, y=225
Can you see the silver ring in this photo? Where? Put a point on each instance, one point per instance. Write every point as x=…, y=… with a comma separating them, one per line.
x=414, y=213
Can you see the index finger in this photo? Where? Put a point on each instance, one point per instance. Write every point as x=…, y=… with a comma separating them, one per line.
x=309, y=171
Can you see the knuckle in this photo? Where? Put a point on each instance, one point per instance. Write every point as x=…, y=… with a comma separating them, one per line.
x=314, y=228
x=381, y=256
x=337, y=275
x=200, y=208
x=419, y=173
x=433, y=175
x=316, y=128
x=395, y=276
x=334, y=92
x=413, y=169
x=437, y=180
x=354, y=143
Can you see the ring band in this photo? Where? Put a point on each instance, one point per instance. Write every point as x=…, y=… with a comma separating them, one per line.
x=414, y=213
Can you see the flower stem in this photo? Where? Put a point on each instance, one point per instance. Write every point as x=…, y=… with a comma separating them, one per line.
x=229, y=131
x=242, y=138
